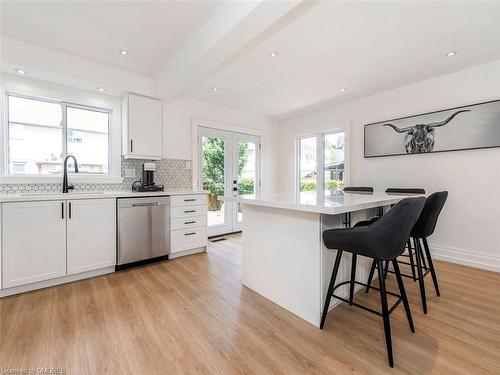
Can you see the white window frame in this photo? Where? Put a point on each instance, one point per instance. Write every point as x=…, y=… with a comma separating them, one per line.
x=80, y=100
x=320, y=158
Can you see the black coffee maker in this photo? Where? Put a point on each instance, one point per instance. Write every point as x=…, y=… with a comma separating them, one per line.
x=147, y=183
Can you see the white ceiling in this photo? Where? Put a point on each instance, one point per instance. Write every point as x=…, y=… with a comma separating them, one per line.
x=366, y=47
x=153, y=31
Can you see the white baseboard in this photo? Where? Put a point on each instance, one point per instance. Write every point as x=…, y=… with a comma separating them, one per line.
x=466, y=257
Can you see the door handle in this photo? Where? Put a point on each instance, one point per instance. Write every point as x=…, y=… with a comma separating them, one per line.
x=190, y=222
x=145, y=204
x=189, y=211
x=190, y=200
x=189, y=234
x=62, y=210
x=131, y=145
x=69, y=208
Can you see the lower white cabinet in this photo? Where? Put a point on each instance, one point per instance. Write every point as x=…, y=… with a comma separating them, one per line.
x=91, y=234
x=49, y=239
x=34, y=242
x=188, y=223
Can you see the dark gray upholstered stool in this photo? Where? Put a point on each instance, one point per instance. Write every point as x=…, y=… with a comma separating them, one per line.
x=410, y=252
x=346, y=217
x=383, y=240
x=423, y=228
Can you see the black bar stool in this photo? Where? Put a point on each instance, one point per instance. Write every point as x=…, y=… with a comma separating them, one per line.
x=383, y=240
x=398, y=191
x=346, y=218
x=423, y=228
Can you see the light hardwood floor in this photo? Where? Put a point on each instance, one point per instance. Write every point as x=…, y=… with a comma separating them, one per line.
x=192, y=315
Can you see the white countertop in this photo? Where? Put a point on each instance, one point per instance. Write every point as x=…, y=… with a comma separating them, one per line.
x=333, y=205
x=29, y=197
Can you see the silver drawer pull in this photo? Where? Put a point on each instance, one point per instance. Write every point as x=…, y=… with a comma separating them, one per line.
x=190, y=200
x=189, y=234
x=145, y=204
x=190, y=222
x=189, y=211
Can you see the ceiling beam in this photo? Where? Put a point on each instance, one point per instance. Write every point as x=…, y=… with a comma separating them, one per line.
x=232, y=27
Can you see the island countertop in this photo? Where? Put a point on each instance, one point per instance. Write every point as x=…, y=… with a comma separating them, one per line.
x=308, y=202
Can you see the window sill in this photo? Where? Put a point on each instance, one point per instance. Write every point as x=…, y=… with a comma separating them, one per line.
x=73, y=179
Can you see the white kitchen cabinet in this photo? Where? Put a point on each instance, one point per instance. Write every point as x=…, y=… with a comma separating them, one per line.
x=188, y=223
x=33, y=242
x=91, y=232
x=142, y=127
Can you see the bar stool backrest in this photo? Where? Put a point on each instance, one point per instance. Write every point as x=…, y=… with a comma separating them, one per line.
x=359, y=189
x=427, y=221
x=391, y=231
x=405, y=191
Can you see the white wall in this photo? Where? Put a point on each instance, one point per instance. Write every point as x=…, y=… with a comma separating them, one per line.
x=178, y=116
x=468, y=229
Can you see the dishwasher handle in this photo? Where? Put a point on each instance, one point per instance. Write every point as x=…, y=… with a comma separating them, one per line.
x=146, y=204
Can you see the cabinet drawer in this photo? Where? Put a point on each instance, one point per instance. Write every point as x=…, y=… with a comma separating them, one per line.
x=188, y=222
x=188, y=200
x=188, y=211
x=186, y=239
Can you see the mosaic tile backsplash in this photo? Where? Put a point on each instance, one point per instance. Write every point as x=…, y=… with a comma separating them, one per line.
x=173, y=173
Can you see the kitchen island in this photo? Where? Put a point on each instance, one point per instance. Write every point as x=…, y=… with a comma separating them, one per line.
x=284, y=258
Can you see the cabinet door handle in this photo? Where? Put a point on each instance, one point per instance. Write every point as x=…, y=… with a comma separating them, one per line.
x=190, y=200
x=69, y=208
x=62, y=210
x=189, y=211
x=131, y=145
x=190, y=222
x=189, y=234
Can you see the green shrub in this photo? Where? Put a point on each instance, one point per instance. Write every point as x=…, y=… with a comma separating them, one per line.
x=307, y=186
x=246, y=186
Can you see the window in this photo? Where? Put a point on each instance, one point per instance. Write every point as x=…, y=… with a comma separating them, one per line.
x=42, y=132
x=321, y=158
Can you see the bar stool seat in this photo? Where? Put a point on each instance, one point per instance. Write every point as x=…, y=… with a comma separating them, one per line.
x=383, y=240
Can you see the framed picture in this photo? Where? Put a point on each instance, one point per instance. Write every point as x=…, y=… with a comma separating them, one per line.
x=462, y=128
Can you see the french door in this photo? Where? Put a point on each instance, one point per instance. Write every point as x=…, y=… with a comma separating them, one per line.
x=229, y=164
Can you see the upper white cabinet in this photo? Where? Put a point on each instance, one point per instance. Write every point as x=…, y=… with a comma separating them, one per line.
x=142, y=127
x=34, y=242
x=91, y=234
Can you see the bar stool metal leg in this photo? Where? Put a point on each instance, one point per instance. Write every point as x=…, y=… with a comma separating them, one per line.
x=330, y=287
x=431, y=266
x=385, y=313
x=353, y=278
x=412, y=261
x=421, y=280
x=370, y=276
x=402, y=291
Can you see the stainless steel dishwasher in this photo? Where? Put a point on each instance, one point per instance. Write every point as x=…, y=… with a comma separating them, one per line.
x=143, y=230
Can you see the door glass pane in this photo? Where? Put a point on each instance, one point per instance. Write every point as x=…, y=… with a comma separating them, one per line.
x=35, y=136
x=334, y=163
x=247, y=172
x=87, y=139
x=307, y=164
x=213, y=167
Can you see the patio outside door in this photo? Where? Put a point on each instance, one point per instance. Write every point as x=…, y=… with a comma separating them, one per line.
x=229, y=164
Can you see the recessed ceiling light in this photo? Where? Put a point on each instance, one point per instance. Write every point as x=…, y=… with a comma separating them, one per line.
x=342, y=89
x=214, y=89
x=123, y=52
x=451, y=53
x=273, y=54
x=20, y=71
x=101, y=89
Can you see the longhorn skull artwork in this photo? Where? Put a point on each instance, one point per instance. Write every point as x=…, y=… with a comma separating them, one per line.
x=420, y=138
